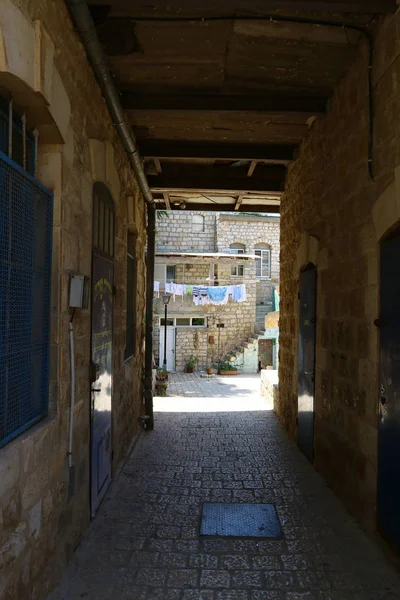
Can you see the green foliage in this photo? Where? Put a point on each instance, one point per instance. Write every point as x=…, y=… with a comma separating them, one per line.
x=162, y=214
x=225, y=365
x=192, y=361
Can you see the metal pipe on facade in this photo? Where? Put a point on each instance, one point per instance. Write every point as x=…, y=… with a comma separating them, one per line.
x=83, y=22
x=148, y=356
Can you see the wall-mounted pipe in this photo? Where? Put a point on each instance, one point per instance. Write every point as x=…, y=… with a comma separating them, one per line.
x=83, y=22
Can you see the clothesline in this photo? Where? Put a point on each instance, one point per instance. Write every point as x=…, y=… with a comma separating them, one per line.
x=202, y=295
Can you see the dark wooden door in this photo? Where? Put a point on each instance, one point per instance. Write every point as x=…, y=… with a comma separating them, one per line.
x=388, y=500
x=306, y=371
x=102, y=344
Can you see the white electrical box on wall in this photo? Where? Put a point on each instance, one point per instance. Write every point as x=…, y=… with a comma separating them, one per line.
x=78, y=291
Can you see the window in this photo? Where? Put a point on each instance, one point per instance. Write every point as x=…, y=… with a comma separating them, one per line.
x=19, y=137
x=170, y=273
x=130, y=297
x=26, y=217
x=237, y=270
x=198, y=322
x=197, y=224
x=163, y=273
x=170, y=322
x=263, y=264
x=185, y=322
x=237, y=248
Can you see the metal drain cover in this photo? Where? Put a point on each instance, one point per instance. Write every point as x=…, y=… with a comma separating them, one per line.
x=240, y=520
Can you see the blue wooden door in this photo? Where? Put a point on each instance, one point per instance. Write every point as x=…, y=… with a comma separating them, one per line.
x=102, y=345
x=306, y=370
x=388, y=500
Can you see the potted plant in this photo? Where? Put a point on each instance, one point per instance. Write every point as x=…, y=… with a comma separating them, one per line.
x=210, y=371
x=162, y=375
x=227, y=368
x=191, y=363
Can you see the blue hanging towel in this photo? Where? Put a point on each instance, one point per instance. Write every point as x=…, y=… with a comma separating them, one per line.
x=218, y=294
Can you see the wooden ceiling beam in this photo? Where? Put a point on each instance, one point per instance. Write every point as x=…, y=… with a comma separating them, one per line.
x=276, y=153
x=167, y=201
x=267, y=102
x=141, y=10
x=180, y=183
x=258, y=208
x=239, y=202
x=252, y=168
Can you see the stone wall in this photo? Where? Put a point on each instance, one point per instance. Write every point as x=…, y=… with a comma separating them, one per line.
x=331, y=196
x=44, y=65
x=252, y=230
x=174, y=231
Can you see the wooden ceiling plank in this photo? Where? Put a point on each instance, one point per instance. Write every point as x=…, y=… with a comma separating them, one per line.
x=262, y=103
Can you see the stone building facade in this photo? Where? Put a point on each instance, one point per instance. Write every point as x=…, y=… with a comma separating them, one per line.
x=44, y=506
x=215, y=235
x=334, y=217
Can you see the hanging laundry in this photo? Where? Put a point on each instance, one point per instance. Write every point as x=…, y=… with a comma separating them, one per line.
x=189, y=289
x=239, y=293
x=157, y=288
x=218, y=294
x=179, y=289
x=200, y=295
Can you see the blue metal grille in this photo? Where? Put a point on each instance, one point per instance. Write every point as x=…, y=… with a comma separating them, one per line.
x=26, y=209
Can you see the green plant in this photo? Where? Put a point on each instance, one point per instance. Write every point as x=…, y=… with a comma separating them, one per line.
x=225, y=365
x=192, y=361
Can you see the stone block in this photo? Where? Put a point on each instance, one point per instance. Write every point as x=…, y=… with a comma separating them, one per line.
x=10, y=467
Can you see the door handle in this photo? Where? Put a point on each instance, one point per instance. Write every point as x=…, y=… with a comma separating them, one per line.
x=308, y=372
x=96, y=389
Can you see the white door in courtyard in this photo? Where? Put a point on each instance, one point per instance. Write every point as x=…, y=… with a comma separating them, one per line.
x=170, y=347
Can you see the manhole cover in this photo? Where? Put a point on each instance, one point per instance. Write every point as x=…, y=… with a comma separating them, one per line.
x=240, y=520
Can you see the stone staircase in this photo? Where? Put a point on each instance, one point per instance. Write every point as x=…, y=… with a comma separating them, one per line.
x=245, y=354
x=261, y=311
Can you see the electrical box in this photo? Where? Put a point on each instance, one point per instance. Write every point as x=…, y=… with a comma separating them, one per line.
x=79, y=291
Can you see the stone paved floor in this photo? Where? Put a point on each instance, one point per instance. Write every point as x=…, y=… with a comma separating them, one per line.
x=145, y=544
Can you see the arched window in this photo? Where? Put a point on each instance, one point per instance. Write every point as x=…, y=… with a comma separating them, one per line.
x=197, y=223
x=263, y=266
x=237, y=248
x=238, y=269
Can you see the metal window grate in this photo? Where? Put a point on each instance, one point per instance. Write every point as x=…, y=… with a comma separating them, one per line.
x=26, y=210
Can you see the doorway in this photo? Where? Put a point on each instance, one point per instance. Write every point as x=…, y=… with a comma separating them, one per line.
x=388, y=500
x=170, y=347
x=306, y=375
x=101, y=344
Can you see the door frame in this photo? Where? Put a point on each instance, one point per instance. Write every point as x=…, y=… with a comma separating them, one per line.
x=161, y=341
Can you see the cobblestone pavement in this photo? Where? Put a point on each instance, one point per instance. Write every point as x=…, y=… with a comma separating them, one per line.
x=145, y=543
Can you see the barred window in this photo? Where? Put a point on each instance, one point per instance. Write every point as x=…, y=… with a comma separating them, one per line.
x=26, y=214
